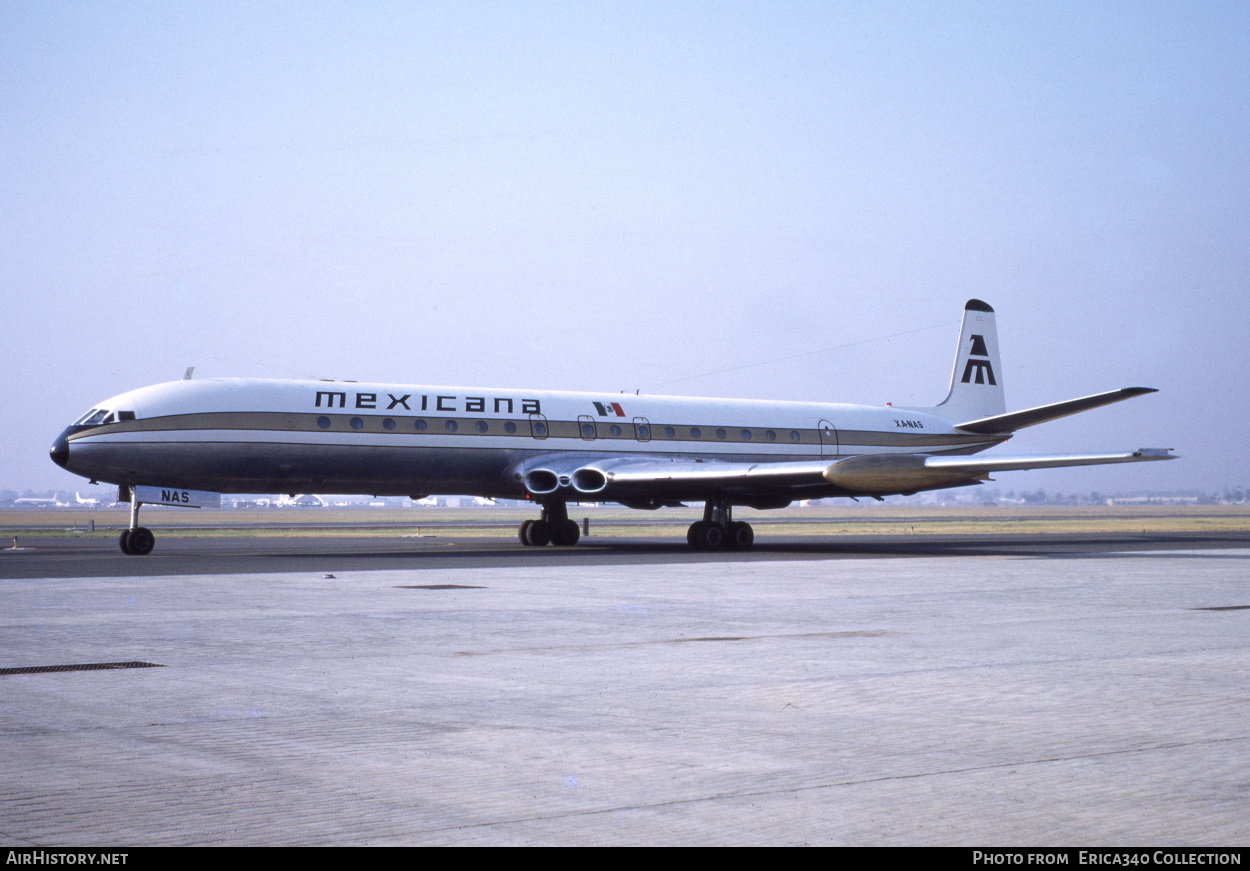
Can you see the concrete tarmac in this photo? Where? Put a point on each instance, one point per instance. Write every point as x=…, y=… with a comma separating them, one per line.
x=69, y=556
x=995, y=699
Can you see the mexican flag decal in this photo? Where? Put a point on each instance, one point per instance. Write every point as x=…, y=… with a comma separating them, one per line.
x=610, y=409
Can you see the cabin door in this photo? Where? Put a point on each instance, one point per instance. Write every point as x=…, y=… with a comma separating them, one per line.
x=538, y=426
x=828, y=439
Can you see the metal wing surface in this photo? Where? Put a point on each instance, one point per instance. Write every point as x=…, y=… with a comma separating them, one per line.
x=653, y=482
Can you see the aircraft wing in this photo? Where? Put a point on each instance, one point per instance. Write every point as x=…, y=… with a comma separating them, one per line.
x=633, y=472
x=1011, y=464
x=652, y=482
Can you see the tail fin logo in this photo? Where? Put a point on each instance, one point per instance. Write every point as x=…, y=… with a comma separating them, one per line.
x=983, y=370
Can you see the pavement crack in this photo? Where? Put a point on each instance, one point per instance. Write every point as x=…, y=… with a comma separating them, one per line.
x=759, y=793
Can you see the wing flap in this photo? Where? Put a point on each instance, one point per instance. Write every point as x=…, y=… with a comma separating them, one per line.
x=634, y=472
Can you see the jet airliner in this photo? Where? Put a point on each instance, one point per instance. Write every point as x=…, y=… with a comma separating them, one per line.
x=255, y=436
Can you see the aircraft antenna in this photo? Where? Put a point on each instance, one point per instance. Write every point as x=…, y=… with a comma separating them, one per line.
x=804, y=354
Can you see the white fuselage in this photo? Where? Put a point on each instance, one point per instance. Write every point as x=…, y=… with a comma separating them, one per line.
x=241, y=435
x=165, y=442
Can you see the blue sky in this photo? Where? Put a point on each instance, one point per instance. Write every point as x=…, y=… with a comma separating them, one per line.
x=621, y=196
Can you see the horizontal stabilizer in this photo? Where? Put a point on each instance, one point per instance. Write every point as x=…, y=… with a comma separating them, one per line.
x=1015, y=420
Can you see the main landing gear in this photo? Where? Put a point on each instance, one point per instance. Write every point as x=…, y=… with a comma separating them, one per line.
x=137, y=540
x=718, y=530
x=554, y=528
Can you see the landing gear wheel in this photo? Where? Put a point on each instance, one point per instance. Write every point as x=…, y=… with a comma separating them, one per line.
x=565, y=534
x=709, y=536
x=692, y=534
x=705, y=535
x=138, y=541
x=123, y=541
x=539, y=533
x=740, y=536
x=524, y=532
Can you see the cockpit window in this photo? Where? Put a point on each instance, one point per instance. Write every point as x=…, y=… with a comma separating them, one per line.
x=101, y=416
x=95, y=417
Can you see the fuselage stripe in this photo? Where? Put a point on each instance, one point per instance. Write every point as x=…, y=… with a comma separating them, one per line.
x=657, y=435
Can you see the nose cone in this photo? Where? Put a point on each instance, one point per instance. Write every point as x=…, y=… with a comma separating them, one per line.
x=59, y=452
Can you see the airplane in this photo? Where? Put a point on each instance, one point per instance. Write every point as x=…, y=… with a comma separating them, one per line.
x=37, y=502
x=646, y=452
x=300, y=500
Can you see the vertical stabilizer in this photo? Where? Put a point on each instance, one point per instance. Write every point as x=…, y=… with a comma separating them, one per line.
x=977, y=380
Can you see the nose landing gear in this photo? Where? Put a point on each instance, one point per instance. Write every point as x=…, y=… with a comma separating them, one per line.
x=136, y=540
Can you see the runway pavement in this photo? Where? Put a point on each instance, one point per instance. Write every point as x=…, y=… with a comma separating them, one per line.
x=974, y=693
x=70, y=556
